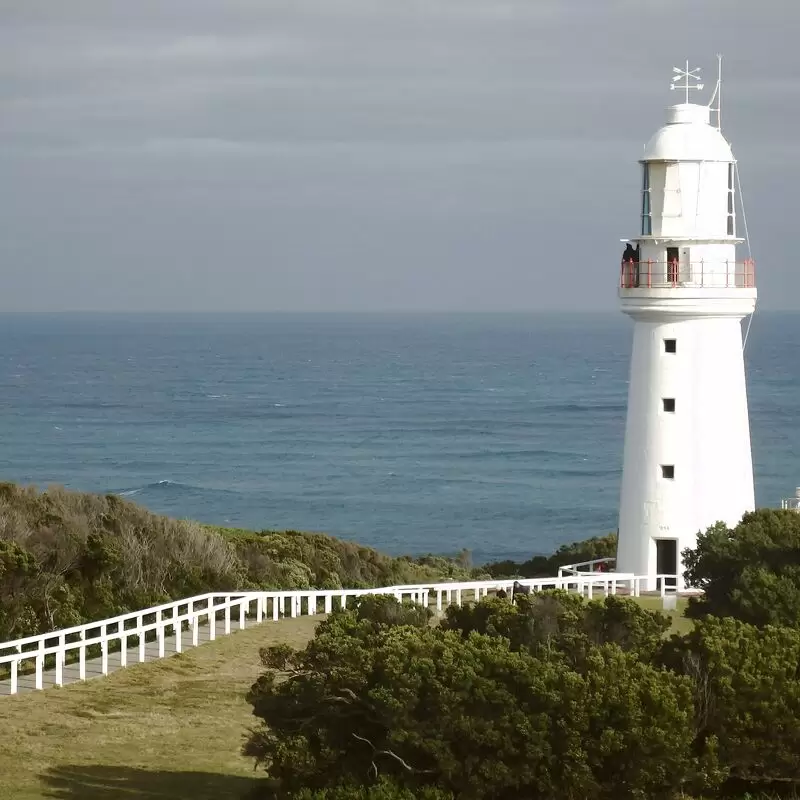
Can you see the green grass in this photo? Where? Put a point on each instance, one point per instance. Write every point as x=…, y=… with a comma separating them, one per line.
x=159, y=731
x=680, y=624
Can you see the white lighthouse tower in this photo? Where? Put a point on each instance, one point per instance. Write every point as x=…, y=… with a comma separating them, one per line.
x=687, y=460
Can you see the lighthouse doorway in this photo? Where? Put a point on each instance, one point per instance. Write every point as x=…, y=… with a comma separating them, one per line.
x=667, y=560
x=673, y=265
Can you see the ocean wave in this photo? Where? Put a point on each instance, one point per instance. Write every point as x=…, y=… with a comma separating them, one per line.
x=146, y=487
x=172, y=488
x=582, y=408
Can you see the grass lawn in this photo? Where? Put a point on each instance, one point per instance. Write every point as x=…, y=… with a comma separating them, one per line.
x=679, y=623
x=160, y=731
x=165, y=730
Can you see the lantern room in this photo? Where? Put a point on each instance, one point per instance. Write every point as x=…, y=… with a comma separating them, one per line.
x=688, y=179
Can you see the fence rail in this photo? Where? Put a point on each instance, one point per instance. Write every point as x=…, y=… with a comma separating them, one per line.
x=71, y=645
x=595, y=565
x=692, y=275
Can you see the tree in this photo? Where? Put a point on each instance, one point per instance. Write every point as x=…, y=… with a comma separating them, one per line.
x=17, y=570
x=557, y=621
x=379, y=696
x=750, y=572
x=746, y=684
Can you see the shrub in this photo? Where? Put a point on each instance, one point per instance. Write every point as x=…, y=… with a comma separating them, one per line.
x=750, y=572
x=558, y=622
x=68, y=558
x=545, y=566
x=746, y=684
x=425, y=707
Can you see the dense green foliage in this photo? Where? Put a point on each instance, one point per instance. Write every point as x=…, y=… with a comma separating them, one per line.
x=68, y=558
x=552, y=697
x=545, y=566
x=546, y=622
x=558, y=712
x=746, y=684
x=751, y=572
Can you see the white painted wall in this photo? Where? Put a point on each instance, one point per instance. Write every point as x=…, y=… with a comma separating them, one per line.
x=689, y=199
x=706, y=439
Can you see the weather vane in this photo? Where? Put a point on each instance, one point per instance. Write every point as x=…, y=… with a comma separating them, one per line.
x=687, y=76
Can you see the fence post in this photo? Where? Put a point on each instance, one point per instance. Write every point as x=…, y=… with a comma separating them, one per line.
x=40, y=663
x=177, y=629
x=160, y=626
x=212, y=618
x=82, y=656
x=242, y=612
x=14, y=667
x=227, y=615
x=123, y=644
x=59, y=681
x=142, y=643
x=104, y=649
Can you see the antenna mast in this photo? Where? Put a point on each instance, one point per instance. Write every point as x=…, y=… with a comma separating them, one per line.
x=718, y=94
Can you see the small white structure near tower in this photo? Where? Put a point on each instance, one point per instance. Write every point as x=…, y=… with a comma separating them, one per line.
x=687, y=459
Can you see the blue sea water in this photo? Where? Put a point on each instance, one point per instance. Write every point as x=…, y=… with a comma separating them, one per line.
x=412, y=433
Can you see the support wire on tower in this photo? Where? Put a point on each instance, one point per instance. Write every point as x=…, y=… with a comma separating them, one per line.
x=747, y=239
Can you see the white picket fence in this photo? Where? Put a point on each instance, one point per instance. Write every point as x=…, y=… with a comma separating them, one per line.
x=218, y=610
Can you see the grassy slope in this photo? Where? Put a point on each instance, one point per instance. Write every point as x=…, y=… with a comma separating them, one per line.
x=169, y=729
x=159, y=731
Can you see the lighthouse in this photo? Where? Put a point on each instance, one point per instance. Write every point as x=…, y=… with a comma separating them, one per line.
x=687, y=462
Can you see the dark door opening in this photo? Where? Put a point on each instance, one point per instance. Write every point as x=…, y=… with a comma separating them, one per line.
x=673, y=262
x=667, y=560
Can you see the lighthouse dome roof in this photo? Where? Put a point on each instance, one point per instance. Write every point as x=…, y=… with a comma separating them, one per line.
x=688, y=136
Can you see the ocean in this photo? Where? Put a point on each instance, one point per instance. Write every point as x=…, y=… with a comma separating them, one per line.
x=412, y=433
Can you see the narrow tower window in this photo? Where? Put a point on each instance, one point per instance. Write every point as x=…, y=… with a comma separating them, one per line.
x=670, y=345
x=731, y=203
x=669, y=404
x=668, y=471
x=647, y=220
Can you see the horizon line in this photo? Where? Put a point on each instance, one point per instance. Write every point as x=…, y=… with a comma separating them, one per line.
x=338, y=312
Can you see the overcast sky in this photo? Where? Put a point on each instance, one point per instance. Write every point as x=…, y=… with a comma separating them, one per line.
x=346, y=154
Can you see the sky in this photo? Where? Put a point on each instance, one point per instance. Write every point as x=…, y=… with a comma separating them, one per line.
x=357, y=155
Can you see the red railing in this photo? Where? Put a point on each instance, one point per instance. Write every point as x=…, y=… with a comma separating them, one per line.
x=696, y=274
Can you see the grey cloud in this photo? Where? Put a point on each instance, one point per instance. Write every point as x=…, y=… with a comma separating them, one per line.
x=342, y=154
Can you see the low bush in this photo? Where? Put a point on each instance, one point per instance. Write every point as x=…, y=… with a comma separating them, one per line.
x=385, y=696
x=545, y=566
x=67, y=558
x=750, y=572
